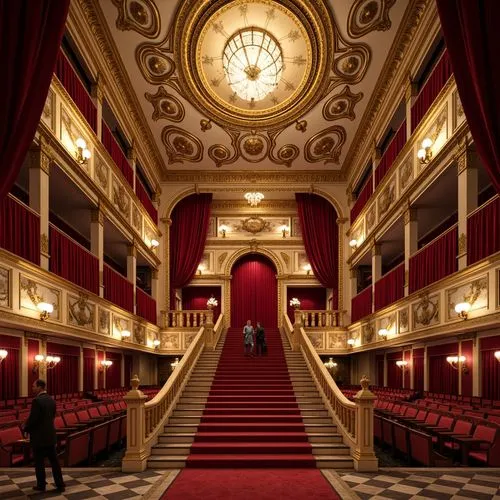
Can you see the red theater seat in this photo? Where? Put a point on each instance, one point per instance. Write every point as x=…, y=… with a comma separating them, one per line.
x=422, y=451
x=77, y=448
x=13, y=448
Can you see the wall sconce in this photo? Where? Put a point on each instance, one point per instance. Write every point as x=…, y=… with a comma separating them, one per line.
x=222, y=230
x=154, y=244
x=458, y=361
x=4, y=354
x=82, y=153
x=105, y=364
x=156, y=343
x=402, y=364
x=497, y=355
x=174, y=364
x=330, y=364
x=295, y=303
x=200, y=269
x=353, y=244
x=212, y=302
x=425, y=154
x=284, y=230
x=45, y=309
x=351, y=342
x=125, y=334
x=48, y=361
x=383, y=332
x=462, y=309
x=308, y=269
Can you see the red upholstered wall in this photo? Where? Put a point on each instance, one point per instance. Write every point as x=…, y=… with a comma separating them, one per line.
x=114, y=372
x=394, y=372
x=418, y=369
x=490, y=367
x=467, y=376
x=100, y=374
x=195, y=298
x=64, y=377
x=9, y=369
x=442, y=376
x=379, y=361
x=310, y=298
x=88, y=369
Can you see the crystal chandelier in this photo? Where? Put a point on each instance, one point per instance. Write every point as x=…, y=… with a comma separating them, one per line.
x=253, y=63
x=254, y=198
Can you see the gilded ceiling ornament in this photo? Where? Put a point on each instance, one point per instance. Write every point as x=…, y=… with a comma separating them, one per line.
x=325, y=146
x=301, y=125
x=181, y=145
x=205, y=124
x=286, y=154
x=155, y=66
x=44, y=243
x=255, y=225
x=341, y=105
x=165, y=106
x=253, y=145
x=222, y=258
x=141, y=16
x=369, y=15
x=221, y=155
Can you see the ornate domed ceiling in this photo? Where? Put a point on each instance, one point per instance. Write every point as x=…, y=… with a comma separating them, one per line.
x=254, y=84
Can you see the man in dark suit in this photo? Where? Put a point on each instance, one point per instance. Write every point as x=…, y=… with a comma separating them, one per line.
x=40, y=426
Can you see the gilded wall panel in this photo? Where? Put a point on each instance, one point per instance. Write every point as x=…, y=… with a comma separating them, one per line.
x=371, y=218
x=368, y=333
x=5, y=299
x=139, y=334
x=48, y=114
x=317, y=340
x=387, y=197
x=104, y=320
x=474, y=293
x=31, y=293
x=406, y=173
x=121, y=324
x=337, y=340
x=458, y=111
x=170, y=341
x=425, y=312
x=81, y=312
x=136, y=219
x=403, y=320
x=188, y=338
x=120, y=198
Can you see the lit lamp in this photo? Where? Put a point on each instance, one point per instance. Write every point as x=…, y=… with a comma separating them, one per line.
x=48, y=361
x=424, y=154
x=383, y=332
x=105, y=364
x=308, y=269
x=402, y=364
x=254, y=198
x=284, y=230
x=462, y=309
x=125, y=334
x=353, y=244
x=330, y=364
x=295, y=303
x=351, y=342
x=497, y=355
x=156, y=343
x=212, y=302
x=82, y=153
x=3, y=355
x=174, y=364
x=45, y=309
x=457, y=362
x=200, y=269
x=154, y=243
x=222, y=230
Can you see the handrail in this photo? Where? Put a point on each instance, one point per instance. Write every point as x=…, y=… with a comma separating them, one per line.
x=288, y=327
x=184, y=318
x=321, y=318
x=219, y=328
x=26, y=207
x=354, y=419
x=451, y=228
x=66, y=235
x=484, y=205
x=145, y=420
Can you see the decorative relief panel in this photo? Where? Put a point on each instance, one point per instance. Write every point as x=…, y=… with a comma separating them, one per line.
x=4, y=287
x=474, y=293
x=141, y=16
x=296, y=229
x=368, y=333
x=170, y=341
x=70, y=133
x=101, y=174
x=403, y=320
x=341, y=105
x=139, y=334
x=81, y=312
x=370, y=219
x=336, y=340
x=406, y=173
x=437, y=132
x=188, y=338
x=458, y=111
x=136, y=219
x=255, y=225
x=212, y=227
x=31, y=293
x=317, y=340
x=369, y=15
x=48, y=115
x=120, y=199
x=104, y=318
x=426, y=311
x=119, y=325
x=326, y=146
x=301, y=261
x=206, y=264
x=387, y=197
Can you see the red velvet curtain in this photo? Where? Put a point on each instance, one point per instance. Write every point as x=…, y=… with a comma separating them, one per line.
x=127, y=360
x=71, y=261
x=311, y=298
x=188, y=234
x=254, y=292
x=9, y=368
x=391, y=153
x=434, y=261
x=320, y=232
x=118, y=289
x=418, y=369
x=116, y=153
x=33, y=350
x=19, y=230
x=362, y=199
x=30, y=36
x=75, y=88
x=88, y=369
x=443, y=378
x=467, y=351
x=144, y=198
x=195, y=298
x=114, y=372
x=361, y=304
x=64, y=377
x=490, y=368
x=473, y=38
x=390, y=287
x=394, y=372
x=483, y=232
x=439, y=76
x=146, y=306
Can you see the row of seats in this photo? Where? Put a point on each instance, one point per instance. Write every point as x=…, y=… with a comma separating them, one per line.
x=492, y=414
x=381, y=392
x=432, y=437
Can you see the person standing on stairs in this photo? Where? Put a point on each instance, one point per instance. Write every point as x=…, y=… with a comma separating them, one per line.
x=260, y=338
x=248, y=338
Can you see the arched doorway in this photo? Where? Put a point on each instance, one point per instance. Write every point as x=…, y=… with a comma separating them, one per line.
x=254, y=291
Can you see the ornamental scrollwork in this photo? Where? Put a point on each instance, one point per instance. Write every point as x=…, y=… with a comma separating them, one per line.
x=369, y=15
x=326, y=146
x=165, y=106
x=426, y=310
x=141, y=16
x=80, y=311
x=181, y=146
x=341, y=105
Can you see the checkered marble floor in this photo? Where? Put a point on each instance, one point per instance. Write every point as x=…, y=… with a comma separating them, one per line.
x=80, y=484
x=417, y=484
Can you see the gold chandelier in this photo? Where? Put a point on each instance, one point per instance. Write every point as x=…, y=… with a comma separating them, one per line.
x=254, y=198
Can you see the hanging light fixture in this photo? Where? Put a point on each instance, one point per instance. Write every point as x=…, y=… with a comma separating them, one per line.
x=254, y=198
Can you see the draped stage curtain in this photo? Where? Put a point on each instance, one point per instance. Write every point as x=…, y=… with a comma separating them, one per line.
x=390, y=287
x=490, y=368
x=88, y=369
x=418, y=369
x=472, y=37
x=71, y=261
x=254, y=292
x=195, y=298
x=9, y=369
x=311, y=298
x=362, y=198
x=188, y=235
x=434, y=261
x=19, y=230
x=63, y=379
x=483, y=232
x=318, y=223
x=30, y=36
x=75, y=88
x=391, y=153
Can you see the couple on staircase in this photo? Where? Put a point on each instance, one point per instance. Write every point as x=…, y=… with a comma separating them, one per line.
x=248, y=333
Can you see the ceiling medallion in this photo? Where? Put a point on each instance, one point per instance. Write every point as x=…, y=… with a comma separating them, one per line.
x=369, y=15
x=254, y=198
x=253, y=64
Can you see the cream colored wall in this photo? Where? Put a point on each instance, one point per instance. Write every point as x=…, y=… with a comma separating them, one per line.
x=146, y=367
x=363, y=364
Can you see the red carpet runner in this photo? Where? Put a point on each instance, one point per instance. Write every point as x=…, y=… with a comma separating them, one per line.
x=256, y=484
x=251, y=418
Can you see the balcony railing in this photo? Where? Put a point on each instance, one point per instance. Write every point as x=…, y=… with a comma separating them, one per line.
x=391, y=153
x=144, y=198
x=118, y=289
x=184, y=319
x=117, y=154
x=361, y=304
x=146, y=306
x=390, y=287
x=362, y=199
x=321, y=319
x=483, y=231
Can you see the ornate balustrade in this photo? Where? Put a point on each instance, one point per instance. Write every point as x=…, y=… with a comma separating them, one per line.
x=219, y=329
x=354, y=419
x=185, y=319
x=145, y=420
x=321, y=319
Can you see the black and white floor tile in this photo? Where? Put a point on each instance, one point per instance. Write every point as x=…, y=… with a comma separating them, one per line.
x=418, y=484
x=81, y=484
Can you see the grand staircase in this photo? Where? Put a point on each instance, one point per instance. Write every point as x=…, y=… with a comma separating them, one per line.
x=239, y=411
